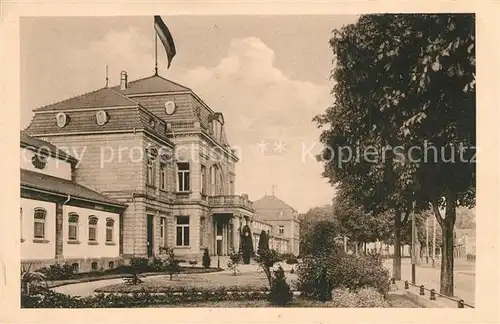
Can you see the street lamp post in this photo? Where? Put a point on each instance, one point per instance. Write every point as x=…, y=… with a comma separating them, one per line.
x=433, y=239
x=413, y=244
x=427, y=239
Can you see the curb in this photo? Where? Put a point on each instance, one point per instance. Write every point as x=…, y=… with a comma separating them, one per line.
x=421, y=301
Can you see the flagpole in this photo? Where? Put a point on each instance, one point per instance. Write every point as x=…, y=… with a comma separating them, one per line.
x=156, y=52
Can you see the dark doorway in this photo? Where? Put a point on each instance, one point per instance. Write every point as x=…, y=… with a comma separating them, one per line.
x=150, y=235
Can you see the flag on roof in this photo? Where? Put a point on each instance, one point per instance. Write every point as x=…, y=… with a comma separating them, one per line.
x=166, y=38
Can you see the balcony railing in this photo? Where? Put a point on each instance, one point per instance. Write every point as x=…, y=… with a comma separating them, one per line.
x=230, y=201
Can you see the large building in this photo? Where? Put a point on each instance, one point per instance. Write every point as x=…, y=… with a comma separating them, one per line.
x=156, y=147
x=283, y=220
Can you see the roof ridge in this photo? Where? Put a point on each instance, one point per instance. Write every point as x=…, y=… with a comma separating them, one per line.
x=124, y=96
x=177, y=84
x=70, y=98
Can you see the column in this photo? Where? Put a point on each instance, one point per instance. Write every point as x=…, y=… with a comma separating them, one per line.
x=236, y=236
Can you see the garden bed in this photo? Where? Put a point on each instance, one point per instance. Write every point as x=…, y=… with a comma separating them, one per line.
x=159, y=284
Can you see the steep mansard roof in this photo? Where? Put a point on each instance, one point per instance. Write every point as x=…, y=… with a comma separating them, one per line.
x=132, y=108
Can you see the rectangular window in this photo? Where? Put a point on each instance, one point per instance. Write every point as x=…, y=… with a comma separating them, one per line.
x=203, y=180
x=163, y=222
x=183, y=177
x=163, y=176
x=182, y=231
x=150, y=174
x=282, y=229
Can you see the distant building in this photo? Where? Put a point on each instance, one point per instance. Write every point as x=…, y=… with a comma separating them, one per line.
x=61, y=220
x=284, y=222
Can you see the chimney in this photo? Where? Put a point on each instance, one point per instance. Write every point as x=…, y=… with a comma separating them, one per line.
x=123, y=80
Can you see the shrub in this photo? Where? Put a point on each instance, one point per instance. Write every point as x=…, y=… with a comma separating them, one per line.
x=288, y=256
x=133, y=279
x=280, y=294
x=172, y=264
x=139, y=265
x=58, y=272
x=206, y=259
x=319, y=274
x=365, y=297
x=292, y=260
x=263, y=242
x=193, y=263
x=29, y=277
x=246, y=244
x=233, y=262
x=156, y=265
x=266, y=261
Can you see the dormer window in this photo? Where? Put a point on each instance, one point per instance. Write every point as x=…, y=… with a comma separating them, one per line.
x=101, y=117
x=61, y=119
x=152, y=122
x=39, y=161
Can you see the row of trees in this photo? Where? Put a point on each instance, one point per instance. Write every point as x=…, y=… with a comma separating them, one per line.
x=401, y=129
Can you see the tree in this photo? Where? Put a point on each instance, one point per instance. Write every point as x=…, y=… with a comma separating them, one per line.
x=405, y=83
x=322, y=236
x=466, y=218
x=308, y=220
x=246, y=244
x=263, y=242
x=171, y=263
x=359, y=225
x=206, y=258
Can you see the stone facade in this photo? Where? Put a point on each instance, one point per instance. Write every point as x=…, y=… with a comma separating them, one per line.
x=162, y=152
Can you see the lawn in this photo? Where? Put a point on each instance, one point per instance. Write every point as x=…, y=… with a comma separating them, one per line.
x=119, y=273
x=250, y=280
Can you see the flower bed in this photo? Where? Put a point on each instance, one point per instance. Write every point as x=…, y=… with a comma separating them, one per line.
x=223, y=297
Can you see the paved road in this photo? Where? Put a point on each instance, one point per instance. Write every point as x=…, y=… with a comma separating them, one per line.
x=465, y=279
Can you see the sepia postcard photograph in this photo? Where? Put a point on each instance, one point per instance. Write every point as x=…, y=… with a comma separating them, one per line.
x=247, y=161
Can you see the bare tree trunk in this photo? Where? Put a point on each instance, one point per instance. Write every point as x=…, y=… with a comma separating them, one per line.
x=447, y=258
x=357, y=248
x=396, y=261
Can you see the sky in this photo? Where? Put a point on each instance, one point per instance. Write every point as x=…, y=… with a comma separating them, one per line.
x=268, y=75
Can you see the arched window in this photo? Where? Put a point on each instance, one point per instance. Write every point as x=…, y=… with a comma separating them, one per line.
x=76, y=267
x=73, y=227
x=111, y=264
x=216, y=181
x=93, y=265
x=39, y=223
x=110, y=223
x=93, y=228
